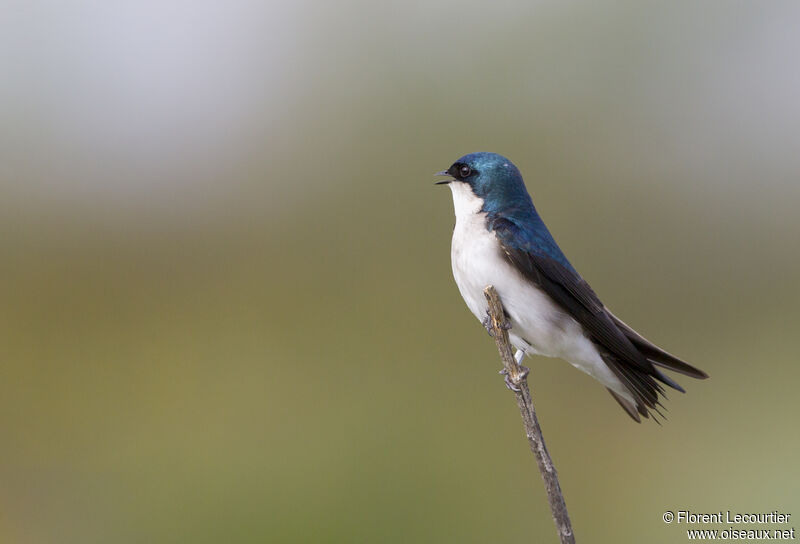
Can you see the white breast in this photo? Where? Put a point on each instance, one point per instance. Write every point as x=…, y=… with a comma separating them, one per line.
x=539, y=326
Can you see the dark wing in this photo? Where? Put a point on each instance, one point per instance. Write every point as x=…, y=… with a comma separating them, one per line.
x=655, y=354
x=625, y=352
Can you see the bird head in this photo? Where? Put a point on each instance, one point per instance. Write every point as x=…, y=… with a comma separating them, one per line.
x=492, y=178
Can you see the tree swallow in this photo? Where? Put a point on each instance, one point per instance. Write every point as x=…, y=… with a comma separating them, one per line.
x=500, y=240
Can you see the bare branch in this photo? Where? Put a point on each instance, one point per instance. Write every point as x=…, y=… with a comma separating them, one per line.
x=518, y=377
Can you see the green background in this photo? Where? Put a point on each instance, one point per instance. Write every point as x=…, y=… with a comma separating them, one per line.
x=227, y=307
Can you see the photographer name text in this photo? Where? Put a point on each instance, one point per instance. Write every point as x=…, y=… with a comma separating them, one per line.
x=687, y=516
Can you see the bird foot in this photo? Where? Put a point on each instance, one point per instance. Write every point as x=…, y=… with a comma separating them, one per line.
x=487, y=324
x=511, y=384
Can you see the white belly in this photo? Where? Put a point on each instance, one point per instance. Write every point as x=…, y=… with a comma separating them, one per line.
x=538, y=325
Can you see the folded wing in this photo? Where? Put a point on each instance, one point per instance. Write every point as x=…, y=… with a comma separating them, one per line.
x=629, y=355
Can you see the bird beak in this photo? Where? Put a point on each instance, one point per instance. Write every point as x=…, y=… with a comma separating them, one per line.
x=443, y=173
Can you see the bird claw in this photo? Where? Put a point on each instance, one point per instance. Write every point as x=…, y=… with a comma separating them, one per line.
x=510, y=383
x=487, y=324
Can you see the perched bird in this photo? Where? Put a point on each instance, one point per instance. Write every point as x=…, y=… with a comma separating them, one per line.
x=500, y=240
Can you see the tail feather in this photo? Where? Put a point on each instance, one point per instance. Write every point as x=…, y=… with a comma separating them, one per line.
x=656, y=355
x=663, y=378
x=643, y=383
x=627, y=406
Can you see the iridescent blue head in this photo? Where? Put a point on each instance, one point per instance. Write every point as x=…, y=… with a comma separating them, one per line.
x=492, y=178
x=503, y=198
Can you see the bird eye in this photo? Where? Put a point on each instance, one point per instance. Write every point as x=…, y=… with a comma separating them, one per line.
x=465, y=171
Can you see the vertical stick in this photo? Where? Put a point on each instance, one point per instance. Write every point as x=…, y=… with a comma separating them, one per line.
x=518, y=377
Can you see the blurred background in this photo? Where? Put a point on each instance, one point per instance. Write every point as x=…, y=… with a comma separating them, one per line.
x=227, y=306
